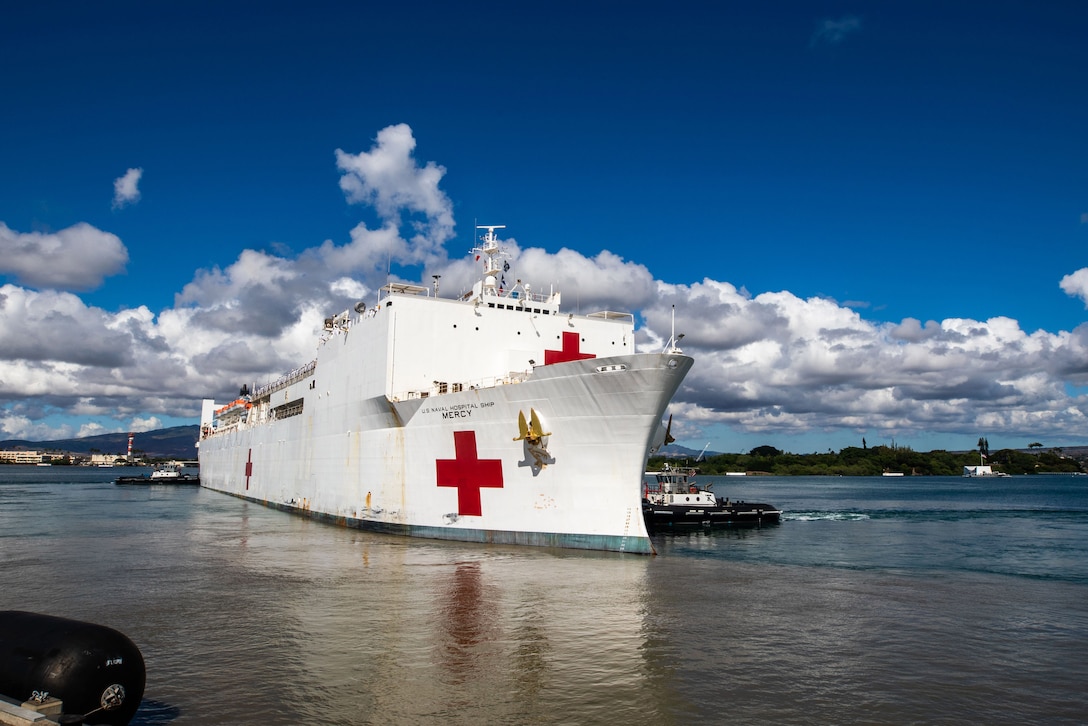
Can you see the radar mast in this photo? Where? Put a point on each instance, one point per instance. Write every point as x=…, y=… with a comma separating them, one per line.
x=492, y=255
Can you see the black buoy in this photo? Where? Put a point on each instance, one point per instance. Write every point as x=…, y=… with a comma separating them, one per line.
x=96, y=671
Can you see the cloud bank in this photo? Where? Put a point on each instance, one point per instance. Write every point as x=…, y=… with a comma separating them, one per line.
x=772, y=364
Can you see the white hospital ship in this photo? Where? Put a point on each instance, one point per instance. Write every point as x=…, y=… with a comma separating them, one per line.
x=491, y=417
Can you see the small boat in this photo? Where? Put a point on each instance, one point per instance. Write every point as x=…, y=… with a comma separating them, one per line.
x=163, y=475
x=672, y=499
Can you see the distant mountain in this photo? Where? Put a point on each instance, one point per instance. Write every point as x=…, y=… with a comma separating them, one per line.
x=178, y=442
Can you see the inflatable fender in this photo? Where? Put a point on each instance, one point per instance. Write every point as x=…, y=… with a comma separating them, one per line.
x=96, y=671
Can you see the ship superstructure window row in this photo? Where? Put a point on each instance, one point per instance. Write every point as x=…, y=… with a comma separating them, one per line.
x=537, y=311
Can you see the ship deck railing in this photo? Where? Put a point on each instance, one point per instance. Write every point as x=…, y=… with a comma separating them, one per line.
x=537, y=297
x=285, y=380
x=222, y=429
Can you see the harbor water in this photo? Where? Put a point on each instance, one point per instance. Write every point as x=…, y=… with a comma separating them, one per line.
x=876, y=600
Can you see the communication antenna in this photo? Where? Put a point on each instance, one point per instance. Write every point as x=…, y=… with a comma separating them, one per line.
x=388, y=266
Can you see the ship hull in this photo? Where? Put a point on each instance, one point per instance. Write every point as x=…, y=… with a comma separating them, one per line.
x=457, y=467
x=664, y=517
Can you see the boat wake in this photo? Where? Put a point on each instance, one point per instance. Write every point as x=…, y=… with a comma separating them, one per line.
x=820, y=516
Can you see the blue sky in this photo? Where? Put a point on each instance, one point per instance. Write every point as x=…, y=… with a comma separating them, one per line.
x=872, y=217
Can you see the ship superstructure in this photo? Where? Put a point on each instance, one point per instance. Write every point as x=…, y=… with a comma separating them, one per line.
x=489, y=417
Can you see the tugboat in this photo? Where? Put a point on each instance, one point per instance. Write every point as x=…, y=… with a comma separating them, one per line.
x=672, y=499
x=164, y=475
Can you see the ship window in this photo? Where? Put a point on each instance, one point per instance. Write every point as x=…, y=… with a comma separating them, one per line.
x=443, y=387
x=491, y=305
x=457, y=387
x=291, y=408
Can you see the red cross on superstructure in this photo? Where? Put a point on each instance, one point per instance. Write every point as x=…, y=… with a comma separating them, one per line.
x=468, y=473
x=249, y=468
x=571, y=350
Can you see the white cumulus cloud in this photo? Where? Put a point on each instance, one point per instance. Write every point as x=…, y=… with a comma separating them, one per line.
x=1076, y=285
x=126, y=189
x=76, y=258
x=388, y=178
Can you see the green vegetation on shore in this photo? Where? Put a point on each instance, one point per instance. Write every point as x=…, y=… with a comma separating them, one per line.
x=854, y=461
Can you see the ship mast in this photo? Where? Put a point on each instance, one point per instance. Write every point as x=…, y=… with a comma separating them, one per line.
x=491, y=254
x=673, y=346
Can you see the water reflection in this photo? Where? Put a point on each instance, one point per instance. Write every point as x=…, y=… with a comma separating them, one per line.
x=349, y=627
x=468, y=624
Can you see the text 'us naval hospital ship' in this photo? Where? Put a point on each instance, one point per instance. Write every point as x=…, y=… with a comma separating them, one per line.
x=492, y=417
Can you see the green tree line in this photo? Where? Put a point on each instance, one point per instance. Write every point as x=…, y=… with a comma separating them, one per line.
x=874, y=461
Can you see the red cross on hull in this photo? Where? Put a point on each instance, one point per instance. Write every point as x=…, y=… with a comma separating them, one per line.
x=571, y=350
x=468, y=473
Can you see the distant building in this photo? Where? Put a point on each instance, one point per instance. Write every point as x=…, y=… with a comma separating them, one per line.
x=983, y=470
x=107, y=459
x=21, y=457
